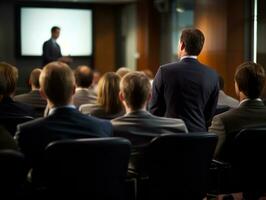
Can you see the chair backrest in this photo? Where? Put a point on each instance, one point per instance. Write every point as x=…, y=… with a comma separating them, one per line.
x=178, y=165
x=90, y=167
x=11, y=122
x=248, y=159
x=13, y=172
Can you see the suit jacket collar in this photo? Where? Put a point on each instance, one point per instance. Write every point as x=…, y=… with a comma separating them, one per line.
x=139, y=113
x=252, y=104
x=62, y=110
x=188, y=59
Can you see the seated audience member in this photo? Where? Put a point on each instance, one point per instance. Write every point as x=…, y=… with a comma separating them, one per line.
x=33, y=98
x=122, y=71
x=135, y=92
x=108, y=105
x=64, y=121
x=6, y=140
x=84, y=94
x=8, y=107
x=249, y=82
x=95, y=81
x=224, y=99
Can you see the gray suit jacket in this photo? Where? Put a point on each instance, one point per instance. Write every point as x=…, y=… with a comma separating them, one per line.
x=140, y=126
x=34, y=99
x=250, y=113
x=84, y=96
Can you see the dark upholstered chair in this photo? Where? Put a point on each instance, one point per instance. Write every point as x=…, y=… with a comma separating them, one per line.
x=86, y=168
x=177, y=166
x=246, y=156
x=10, y=123
x=13, y=172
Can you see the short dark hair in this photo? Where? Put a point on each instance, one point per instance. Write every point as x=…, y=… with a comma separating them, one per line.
x=250, y=79
x=193, y=40
x=221, y=82
x=54, y=28
x=34, y=77
x=135, y=86
x=8, y=79
x=57, y=81
x=84, y=76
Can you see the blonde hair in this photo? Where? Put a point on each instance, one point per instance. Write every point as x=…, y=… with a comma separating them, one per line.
x=108, y=92
x=136, y=88
x=58, y=82
x=8, y=79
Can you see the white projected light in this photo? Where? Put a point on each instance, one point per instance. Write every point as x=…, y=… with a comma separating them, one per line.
x=75, y=24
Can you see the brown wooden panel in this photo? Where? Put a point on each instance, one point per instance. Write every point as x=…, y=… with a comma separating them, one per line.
x=104, y=34
x=223, y=25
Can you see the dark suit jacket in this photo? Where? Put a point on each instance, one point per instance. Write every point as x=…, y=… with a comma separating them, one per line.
x=251, y=113
x=140, y=126
x=51, y=51
x=187, y=90
x=6, y=140
x=34, y=99
x=64, y=123
x=84, y=96
x=8, y=107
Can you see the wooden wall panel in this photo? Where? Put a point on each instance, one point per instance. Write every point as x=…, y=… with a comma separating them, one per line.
x=104, y=34
x=223, y=25
x=148, y=36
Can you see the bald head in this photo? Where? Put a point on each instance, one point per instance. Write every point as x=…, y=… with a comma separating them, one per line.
x=34, y=78
x=83, y=76
x=122, y=71
x=57, y=82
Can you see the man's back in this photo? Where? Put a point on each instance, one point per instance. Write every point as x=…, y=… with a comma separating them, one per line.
x=228, y=124
x=140, y=126
x=186, y=90
x=64, y=123
x=84, y=96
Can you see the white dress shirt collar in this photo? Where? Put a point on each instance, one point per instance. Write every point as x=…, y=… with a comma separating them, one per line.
x=55, y=108
x=193, y=57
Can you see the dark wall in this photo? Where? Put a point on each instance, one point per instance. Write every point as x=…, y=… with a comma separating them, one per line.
x=104, y=58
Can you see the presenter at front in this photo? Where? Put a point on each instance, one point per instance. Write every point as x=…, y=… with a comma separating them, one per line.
x=51, y=49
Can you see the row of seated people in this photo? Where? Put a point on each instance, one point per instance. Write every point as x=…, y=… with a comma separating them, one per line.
x=57, y=84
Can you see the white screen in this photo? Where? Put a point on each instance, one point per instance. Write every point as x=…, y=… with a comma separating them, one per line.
x=75, y=36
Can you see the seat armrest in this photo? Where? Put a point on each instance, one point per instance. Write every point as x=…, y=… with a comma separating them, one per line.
x=216, y=164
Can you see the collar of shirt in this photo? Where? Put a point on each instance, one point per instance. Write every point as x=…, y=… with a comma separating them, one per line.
x=80, y=88
x=193, y=57
x=55, y=108
x=53, y=40
x=244, y=100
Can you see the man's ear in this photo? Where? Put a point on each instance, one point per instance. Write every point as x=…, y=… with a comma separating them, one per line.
x=237, y=89
x=74, y=89
x=43, y=93
x=121, y=96
x=182, y=45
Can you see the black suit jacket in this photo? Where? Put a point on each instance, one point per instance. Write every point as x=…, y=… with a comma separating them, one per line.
x=10, y=108
x=51, y=51
x=64, y=123
x=187, y=90
x=249, y=114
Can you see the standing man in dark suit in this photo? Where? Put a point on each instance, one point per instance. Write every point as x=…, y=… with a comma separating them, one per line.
x=52, y=50
x=249, y=83
x=57, y=84
x=186, y=89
